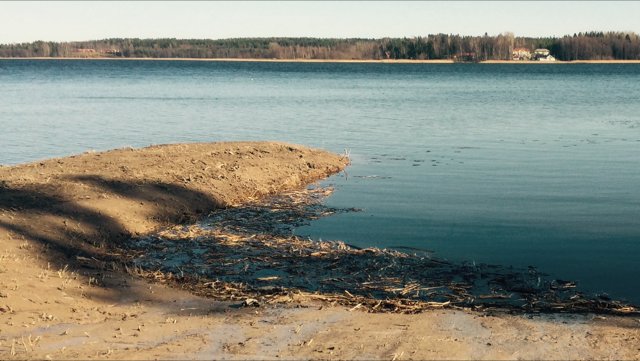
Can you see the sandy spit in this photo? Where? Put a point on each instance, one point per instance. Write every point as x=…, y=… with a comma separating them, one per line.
x=60, y=217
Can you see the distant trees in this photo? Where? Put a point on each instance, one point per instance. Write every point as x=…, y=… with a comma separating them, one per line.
x=598, y=45
x=581, y=46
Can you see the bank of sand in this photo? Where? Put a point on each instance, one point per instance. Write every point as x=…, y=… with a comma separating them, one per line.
x=62, y=219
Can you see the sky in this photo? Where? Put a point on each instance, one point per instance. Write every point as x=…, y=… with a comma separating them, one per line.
x=89, y=20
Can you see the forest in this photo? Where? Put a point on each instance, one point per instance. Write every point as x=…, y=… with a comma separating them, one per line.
x=581, y=46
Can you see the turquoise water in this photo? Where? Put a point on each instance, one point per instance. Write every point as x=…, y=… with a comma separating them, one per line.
x=493, y=163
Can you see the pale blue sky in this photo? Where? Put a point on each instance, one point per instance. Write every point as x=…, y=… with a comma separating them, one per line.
x=68, y=21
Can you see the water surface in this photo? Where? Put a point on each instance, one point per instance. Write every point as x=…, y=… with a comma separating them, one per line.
x=493, y=163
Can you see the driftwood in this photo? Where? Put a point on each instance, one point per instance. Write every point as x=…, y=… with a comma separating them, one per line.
x=250, y=252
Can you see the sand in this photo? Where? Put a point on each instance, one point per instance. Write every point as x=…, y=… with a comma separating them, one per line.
x=61, y=221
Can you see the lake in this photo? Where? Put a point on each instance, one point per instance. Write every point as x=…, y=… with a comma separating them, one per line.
x=523, y=165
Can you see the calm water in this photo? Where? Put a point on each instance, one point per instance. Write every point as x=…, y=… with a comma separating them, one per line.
x=509, y=164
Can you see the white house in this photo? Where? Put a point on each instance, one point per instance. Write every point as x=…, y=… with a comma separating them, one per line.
x=543, y=55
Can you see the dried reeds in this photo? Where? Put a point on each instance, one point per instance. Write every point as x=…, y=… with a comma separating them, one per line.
x=250, y=252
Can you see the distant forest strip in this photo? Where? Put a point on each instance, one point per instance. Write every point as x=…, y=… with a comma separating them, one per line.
x=582, y=46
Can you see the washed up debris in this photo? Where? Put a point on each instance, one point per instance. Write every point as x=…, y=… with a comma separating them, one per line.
x=249, y=253
x=270, y=278
x=278, y=215
x=250, y=302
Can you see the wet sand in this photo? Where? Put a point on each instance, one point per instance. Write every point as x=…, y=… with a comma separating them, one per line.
x=64, y=294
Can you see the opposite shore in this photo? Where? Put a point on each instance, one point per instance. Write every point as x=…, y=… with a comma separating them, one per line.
x=365, y=61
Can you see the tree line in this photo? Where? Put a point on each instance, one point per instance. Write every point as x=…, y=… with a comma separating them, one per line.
x=581, y=46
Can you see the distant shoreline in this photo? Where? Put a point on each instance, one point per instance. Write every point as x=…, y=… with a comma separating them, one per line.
x=252, y=60
x=381, y=61
x=561, y=62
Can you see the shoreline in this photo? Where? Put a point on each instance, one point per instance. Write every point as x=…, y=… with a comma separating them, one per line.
x=348, y=61
x=67, y=292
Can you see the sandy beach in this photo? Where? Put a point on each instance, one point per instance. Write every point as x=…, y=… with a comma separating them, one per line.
x=65, y=292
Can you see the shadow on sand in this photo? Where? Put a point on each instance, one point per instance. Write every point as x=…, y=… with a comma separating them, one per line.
x=87, y=232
